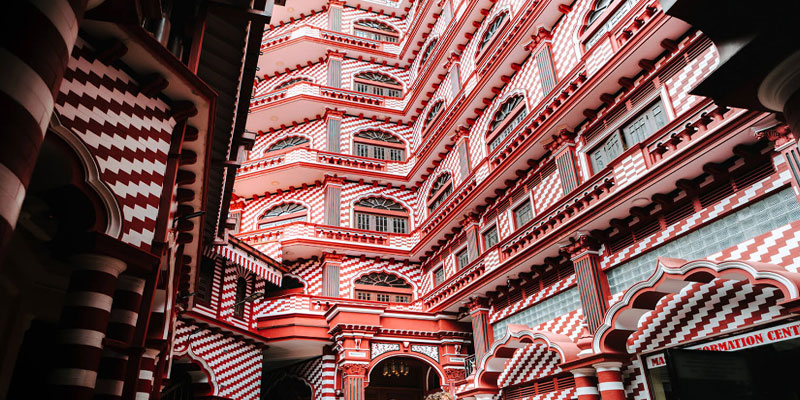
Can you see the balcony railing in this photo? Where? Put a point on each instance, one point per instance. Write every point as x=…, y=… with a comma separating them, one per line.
x=469, y=365
x=315, y=232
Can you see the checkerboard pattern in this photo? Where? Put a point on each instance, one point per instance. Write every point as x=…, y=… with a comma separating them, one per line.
x=629, y=169
x=739, y=199
x=550, y=291
x=317, y=73
x=234, y=366
x=531, y=362
x=633, y=381
x=548, y=191
x=779, y=247
x=694, y=72
x=704, y=309
x=566, y=48
x=127, y=132
x=600, y=54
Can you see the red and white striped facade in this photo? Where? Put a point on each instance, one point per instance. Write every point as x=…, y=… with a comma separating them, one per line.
x=551, y=307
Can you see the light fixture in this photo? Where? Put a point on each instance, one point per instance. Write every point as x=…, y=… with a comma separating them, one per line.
x=395, y=369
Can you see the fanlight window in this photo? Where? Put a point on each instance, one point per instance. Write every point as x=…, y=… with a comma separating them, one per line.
x=508, y=117
x=382, y=215
x=292, y=82
x=291, y=141
x=598, y=10
x=376, y=30
x=434, y=111
x=439, y=191
x=491, y=30
x=282, y=215
x=380, y=145
x=427, y=52
x=377, y=83
x=384, y=287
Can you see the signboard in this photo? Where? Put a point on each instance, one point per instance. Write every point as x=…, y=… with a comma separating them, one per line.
x=760, y=337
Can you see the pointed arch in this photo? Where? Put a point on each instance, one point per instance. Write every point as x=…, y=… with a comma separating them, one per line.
x=490, y=33
x=440, y=189
x=508, y=115
x=433, y=114
x=671, y=277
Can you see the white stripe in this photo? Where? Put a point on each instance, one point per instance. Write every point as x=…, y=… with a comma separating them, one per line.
x=89, y=299
x=74, y=377
x=61, y=15
x=124, y=316
x=12, y=194
x=131, y=284
x=84, y=337
x=26, y=87
x=604, y=386
x=146, y=375
x=109, y=386
x=586, y=391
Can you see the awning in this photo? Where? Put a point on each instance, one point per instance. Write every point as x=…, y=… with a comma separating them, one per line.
x=251, y=263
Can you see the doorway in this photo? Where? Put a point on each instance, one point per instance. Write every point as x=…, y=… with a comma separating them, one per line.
x=402, y=378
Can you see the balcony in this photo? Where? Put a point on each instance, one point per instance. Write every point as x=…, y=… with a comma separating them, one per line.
x=304, y=99
x=305, y=42
x=305, y=239
x=296, y=166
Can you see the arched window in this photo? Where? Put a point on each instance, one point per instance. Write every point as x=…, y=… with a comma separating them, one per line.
x=508, y=117
x=282, y=215
x=598, y=10
x=493, y=27
x=381, y=286
x=382, y=215
x=432, y=114
x=285, y=143
x=291, y=82
x=241, y=295
x=375, y=30
x=377, y=83
x=380, y=145
x=439, y=191
x=427, y=52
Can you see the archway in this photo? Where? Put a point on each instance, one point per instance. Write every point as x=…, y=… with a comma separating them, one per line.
x=402, y=378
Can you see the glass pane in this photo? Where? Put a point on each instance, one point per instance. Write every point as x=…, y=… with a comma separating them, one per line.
x=463, y=258
x=381, y=223
x=396, y=155
x=399, y=225
x=378, y=152
x=438, y=276
x=362, y=221
x=362, y=150
x=490, y=237
x=523, y=214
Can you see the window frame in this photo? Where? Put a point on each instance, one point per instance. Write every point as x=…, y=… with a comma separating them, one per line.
x=510, y=118
x=527, y=201
x=378, y=85
x=268, y=151
x=590, y=30
x=484, y=45
x=430, y=120
x=461, y=264
x=278, y=218
x=617, y=131
x=372, y=144
x=208, y=287
x=434, y=274
x=373, y=213
x=292, y=81
x=372, y=292
x=239, y=303
x=492, y=228
x=437, y=199
x=375, y=31
x=426, y=53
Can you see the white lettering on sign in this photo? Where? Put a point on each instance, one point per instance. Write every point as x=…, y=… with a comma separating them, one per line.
x=753, y=339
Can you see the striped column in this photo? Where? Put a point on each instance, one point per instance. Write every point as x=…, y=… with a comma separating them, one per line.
x=111, y=376
x=38, y=39
x=592, y=281
x=87, y=309
x=482, y=334
x=609, y=378
x=147, y=366
x=586, y=384
x=328, y=384
x=122, y=324
x=353, y=381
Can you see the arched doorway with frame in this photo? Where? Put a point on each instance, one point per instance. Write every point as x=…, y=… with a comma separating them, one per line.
x=403, y=376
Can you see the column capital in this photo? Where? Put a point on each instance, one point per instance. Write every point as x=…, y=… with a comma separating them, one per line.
x=478, y=303
x=353, y=370
x=336, y=55
x=581, y=245
x=99, y=262
x=583, y=372
x=615, y=366
x=564, y=137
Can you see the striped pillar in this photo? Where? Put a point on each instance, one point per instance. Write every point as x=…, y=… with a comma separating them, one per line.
x=147, y=366
x=125, y=309
x=328, y=384
x=122, y=324
x=111, y=375
x=87, y=309
x=609, y=380
x=353, y=381
x=482, y=334
x=37, y=41
x=586, y=384
x=592, y=281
